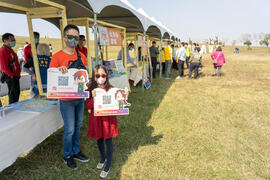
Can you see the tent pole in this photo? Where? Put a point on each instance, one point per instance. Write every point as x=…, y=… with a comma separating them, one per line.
x=137, y=51
x=143, y=57
x=125, y=51
x=89, y=60
x=62, y=33
x=34, y=52
x=95, y=36
x=160, y=59
x=149, y=60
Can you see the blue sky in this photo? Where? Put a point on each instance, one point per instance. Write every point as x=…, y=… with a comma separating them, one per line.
x=197, y=19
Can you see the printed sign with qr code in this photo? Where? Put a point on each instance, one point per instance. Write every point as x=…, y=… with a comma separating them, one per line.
x=111, y=103
x=69, y=85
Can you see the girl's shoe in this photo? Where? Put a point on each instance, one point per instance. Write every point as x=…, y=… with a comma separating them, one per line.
x=104, y=174
x=100, y=165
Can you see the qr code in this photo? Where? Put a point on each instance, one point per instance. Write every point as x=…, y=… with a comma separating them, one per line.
x=63, y=81
x=107, y=99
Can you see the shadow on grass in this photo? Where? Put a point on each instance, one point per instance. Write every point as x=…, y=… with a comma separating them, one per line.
x=45, y=161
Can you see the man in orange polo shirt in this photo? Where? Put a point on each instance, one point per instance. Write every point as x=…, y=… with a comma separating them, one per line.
x=72, y=110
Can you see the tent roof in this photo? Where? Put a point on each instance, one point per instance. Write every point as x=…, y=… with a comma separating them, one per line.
x=74, y=9
x=118, y=12
x=121, y=12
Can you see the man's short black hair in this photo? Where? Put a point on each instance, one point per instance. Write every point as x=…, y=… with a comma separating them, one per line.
x=71, y=26
x=6, y=36
x=154, y=42
x=130, y=44
x=36, y=34
x=183, y=43
x=82, y=36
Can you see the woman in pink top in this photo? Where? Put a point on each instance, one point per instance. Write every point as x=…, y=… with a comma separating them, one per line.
x=219, y=59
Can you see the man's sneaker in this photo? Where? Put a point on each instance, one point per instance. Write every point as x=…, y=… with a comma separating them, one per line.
x=81, y=157
x=179, y=77
x=70, y=163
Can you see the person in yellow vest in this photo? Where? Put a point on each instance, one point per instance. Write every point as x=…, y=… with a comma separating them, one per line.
x=168, y=59
x=188, y=54
x=163, y=60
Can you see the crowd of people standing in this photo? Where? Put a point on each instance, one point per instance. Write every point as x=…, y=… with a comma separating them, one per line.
x=176, y=56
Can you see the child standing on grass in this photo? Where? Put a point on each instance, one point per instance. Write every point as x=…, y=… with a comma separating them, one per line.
x=102, y=128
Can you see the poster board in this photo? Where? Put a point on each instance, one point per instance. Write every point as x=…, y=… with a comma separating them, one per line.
x=117, y=74
x=69, y=85
x=109, y=36
x=103, y=36
x=144, y=48
x=111, y=103
x=147, y=84
x=119, y=66
x=140, y=41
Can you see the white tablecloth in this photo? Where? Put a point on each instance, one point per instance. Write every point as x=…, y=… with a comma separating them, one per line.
x=21, y=131
x=136, y=74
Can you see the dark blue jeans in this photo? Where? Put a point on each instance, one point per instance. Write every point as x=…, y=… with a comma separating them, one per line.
x=72, y=114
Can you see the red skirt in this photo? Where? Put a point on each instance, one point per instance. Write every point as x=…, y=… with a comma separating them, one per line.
x=102, y=127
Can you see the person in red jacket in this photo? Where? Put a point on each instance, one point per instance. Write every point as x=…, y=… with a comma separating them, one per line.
x=27, y=56
x=28, y=51
x=80, y=47
x=102, y=128
x=10, y=67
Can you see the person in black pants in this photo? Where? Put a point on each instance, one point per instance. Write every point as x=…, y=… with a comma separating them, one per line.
x=10, y=67
x=195, y=63
x=153, y=53
x=181, y=55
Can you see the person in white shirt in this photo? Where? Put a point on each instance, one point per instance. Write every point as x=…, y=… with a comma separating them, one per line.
x=181, y=56
x=20, y=55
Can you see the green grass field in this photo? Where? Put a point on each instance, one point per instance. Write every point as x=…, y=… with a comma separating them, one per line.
x=209, y=128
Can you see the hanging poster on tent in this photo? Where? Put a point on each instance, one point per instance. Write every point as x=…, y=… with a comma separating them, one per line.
x=111, y=103
x=144, y=48
x=69, y=85
x=115, y=38
x=140, y=41
x=109, y=36
x=103, y=36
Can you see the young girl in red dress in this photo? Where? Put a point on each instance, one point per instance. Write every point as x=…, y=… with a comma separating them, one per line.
x=102, y=128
